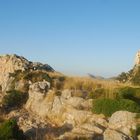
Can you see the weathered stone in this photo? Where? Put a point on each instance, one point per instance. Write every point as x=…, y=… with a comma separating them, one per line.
x=123, y=121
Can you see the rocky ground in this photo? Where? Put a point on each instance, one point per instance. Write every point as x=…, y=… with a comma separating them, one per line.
x=46, y=116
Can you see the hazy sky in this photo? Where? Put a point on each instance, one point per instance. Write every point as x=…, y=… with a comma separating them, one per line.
x=73, y=36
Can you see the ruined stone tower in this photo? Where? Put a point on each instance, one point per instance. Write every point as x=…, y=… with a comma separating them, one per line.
x=137, y=59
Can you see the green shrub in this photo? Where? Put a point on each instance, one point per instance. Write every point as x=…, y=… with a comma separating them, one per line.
x=37, y=76
x=138, y=130
x=129, y=93
x=14, y=99
x=9, y=130
x=109, y=106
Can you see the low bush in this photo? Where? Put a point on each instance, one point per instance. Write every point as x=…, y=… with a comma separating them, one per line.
x=109, y=106
x=14, y=99
x=37, y=76
x=123, y=77
x=9, y=130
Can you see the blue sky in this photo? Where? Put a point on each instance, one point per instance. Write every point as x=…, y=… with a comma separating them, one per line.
x=75, y=37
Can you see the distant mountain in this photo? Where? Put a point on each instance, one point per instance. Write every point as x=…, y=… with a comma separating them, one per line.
x=95, y=77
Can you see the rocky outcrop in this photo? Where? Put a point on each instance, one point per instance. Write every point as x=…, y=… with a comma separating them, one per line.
x=12, y=63
x=66, y=110
x=62, y=110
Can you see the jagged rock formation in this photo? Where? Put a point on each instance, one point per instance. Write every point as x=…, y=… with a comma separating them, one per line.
x=137, y=59
x=12, y=63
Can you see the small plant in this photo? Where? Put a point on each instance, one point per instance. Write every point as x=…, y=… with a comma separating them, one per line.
x=9, y=130
x=97, y=93
x=109, y=106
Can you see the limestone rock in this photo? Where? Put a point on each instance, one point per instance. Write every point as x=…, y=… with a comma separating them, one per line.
x=36, y=102
x=123, y=121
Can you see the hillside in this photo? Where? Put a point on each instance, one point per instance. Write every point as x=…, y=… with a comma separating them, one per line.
x=39, y=103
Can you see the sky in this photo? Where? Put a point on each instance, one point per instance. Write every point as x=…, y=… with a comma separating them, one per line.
x=75, y=37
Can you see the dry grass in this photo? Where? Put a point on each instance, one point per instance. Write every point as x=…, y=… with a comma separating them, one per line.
x=90, y=85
